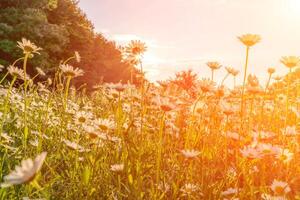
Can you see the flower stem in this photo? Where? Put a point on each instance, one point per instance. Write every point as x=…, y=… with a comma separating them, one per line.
x=159, y=151
x=234, y=82
x=14, y=63
x=6, y=102
x=66, y=61
x=287, y=99
x=25, y=98
x=67, y=90
x=224, y=78
x=244, y=83
x=4, y=77
x=263, y=102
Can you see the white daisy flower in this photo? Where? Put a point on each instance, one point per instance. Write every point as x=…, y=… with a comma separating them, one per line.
x=285, y=155
x=17, y=72
x=230, y=192
x=117, y=167
x=77, y=56
x=82, y=117
x=280, y=188
x=190, y=153
x=69, y=70
x=75, y=146
x=105, y=124
x=290, y=131
x=189, y=188
x=34, y=143
x=7, y=138
x=270, y=197
x=28, y=47
x=40, y=71
x=25, y=172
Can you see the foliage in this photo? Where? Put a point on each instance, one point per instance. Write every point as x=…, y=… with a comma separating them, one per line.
x=186, y=80
x=150, y=142
x=60, y=28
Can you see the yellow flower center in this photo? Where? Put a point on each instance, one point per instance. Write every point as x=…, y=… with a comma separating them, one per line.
x=103, y=127
x=82, y=119
x=28, y=49
x=165, y=108
x=279, y=191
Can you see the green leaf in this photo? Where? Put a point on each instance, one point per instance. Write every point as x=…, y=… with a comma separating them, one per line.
x=86, y=175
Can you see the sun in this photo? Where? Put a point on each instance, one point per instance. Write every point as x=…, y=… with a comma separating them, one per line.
x=151, y=58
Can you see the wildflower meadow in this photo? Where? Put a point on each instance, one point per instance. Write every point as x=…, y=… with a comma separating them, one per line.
x=187, y=137
x=147, y=141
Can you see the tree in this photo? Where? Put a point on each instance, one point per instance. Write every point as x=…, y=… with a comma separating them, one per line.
x=186, y=80
x=60, y=28
x=17, y=21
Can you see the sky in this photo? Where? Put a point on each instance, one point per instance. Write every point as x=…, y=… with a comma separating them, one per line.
x=185, y=34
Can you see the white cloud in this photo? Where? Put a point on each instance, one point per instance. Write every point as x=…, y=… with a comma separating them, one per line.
x=124, y=39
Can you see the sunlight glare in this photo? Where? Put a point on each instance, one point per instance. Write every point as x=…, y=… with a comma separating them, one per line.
x=293, y=7
x=150, y=58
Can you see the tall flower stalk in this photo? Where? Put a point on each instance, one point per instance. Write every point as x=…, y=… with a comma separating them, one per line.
x=8, y=71
x=25, y=97
x=134, y=52
x=213, y=66
x=233, y=72
x=70, y=72
x=67, y=88
x=4, y=77
x=290, y=62
x=160, y=147
x=7, y=100
x=29, y=49
x=248, y=40
x=270, y=72
x=244, y=81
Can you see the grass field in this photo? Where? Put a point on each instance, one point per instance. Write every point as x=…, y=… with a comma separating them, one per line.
x=147, y=141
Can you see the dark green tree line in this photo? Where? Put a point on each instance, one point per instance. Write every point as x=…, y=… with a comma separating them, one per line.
x=60, y=28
